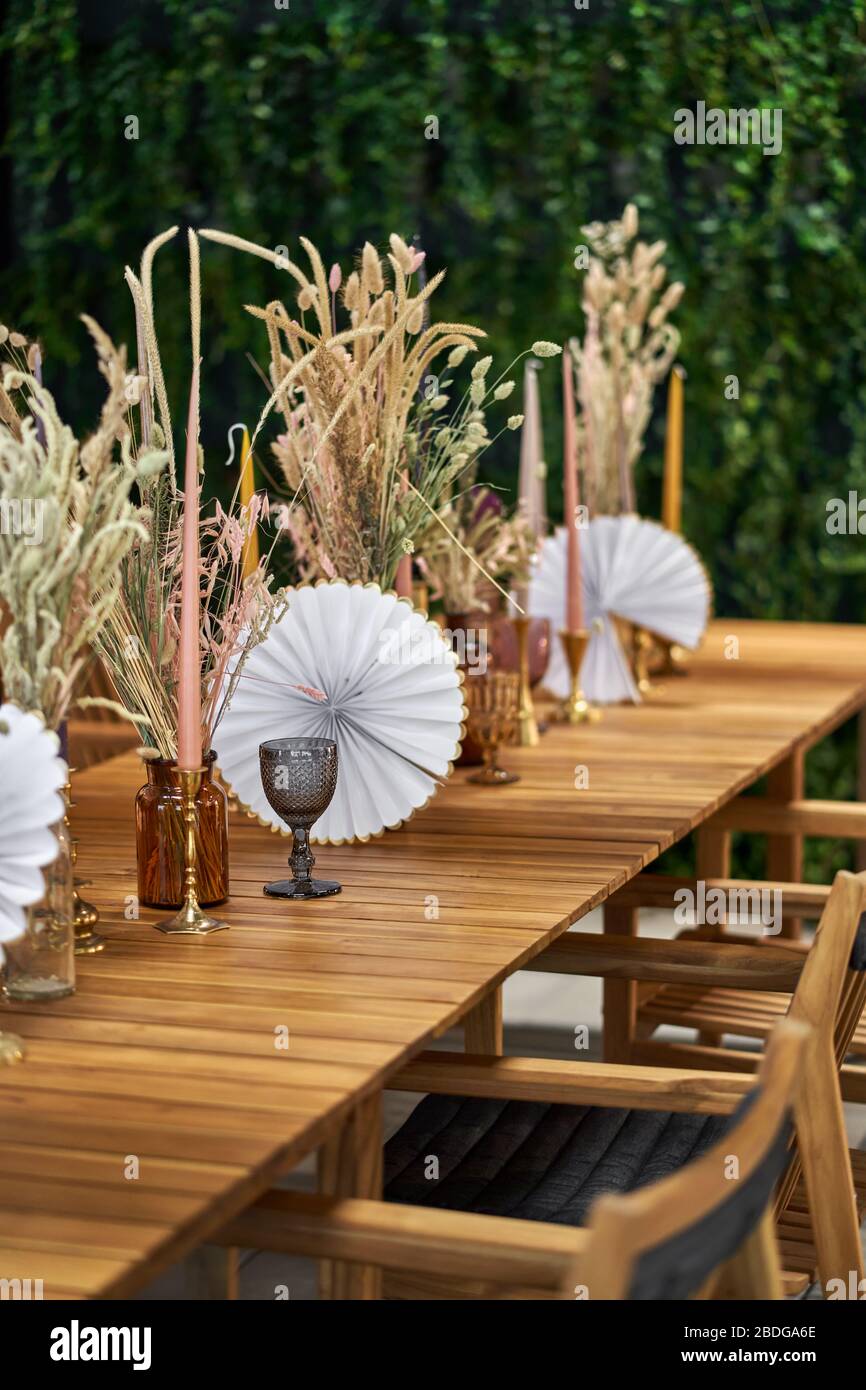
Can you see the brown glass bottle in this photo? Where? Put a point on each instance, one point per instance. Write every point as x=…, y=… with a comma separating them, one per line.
x=159, y=837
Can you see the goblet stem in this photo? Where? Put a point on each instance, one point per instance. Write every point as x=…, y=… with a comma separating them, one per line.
x=301, y=859
x=490, y=760
x=491, y=774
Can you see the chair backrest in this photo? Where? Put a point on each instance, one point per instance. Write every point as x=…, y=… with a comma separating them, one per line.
x=831, y=991
x=663, y=1241
x=834, y=974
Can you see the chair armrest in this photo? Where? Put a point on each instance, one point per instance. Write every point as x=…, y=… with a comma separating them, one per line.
x=792, y=946
x=713, y=963
x=426, y=1240
x=647, y=1052
x=575, y=1083
x=660, y=890
x=845, y=820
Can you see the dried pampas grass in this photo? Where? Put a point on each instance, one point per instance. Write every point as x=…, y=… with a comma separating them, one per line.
x=628, y=347
x=60, y=575
x=356, y=408
x=139, y=641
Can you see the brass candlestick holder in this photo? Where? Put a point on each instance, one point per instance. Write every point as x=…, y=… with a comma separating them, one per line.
x=88, y=942
x=190, y=920
x=576, y=709
x=527, y=727
x=11, y=1049
x=642, y=645
x=672, y=659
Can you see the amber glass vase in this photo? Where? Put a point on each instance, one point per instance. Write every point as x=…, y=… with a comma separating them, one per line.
x=160, y=832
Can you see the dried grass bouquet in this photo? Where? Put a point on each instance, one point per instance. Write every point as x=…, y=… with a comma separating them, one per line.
x=366, y=452
x=472, y=542
x=139, y=643
x=627, y=349
x=70, y=518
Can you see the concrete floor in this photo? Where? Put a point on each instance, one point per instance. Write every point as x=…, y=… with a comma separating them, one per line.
x=542, y=1013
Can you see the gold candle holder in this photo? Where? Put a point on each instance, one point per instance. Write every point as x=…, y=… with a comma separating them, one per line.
x=190, y=920
x=527, y=727
x=11, y=1049
x=88, y=942
x=576, y=709
x=642, y=644
x=673, y=659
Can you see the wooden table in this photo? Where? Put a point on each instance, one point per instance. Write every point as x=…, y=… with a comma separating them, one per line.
x=167, y=1062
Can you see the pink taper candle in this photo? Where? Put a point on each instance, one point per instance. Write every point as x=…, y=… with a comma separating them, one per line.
x=403, y=580
x=189, y=666
x=573, y=591
x=531, y=487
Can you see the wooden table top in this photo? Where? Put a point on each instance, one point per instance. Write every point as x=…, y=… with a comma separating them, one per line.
x=167, y=1052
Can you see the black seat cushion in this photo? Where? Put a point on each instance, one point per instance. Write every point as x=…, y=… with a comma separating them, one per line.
x=858, y=950
x=540, y=1162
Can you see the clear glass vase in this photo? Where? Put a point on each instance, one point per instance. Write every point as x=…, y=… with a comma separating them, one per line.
x=41, y=963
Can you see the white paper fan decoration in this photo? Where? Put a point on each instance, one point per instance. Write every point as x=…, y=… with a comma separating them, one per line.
x=631, y=568
x=31, y=775
x=394, y=704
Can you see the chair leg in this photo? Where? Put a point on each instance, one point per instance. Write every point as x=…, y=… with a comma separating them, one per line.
x=860, y=845
x=785, y=852
x=755, y=1271
x=823, y=1148
x=713, y=860
x=350, y=1165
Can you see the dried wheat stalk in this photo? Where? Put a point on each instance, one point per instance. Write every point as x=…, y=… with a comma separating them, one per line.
x=627, y=349
x=60, y=587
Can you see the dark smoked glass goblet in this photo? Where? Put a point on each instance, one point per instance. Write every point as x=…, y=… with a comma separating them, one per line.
x=299, y=776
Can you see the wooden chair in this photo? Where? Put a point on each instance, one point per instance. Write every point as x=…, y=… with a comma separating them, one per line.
x=722, y=1010
x=740, y=985
x=673, y=1238
x=784, y=817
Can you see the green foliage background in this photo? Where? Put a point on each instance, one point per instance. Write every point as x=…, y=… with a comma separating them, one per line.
x=272, y=122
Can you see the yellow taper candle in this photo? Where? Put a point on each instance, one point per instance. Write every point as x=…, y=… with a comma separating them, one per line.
x=248, y=487
x=672, y=486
